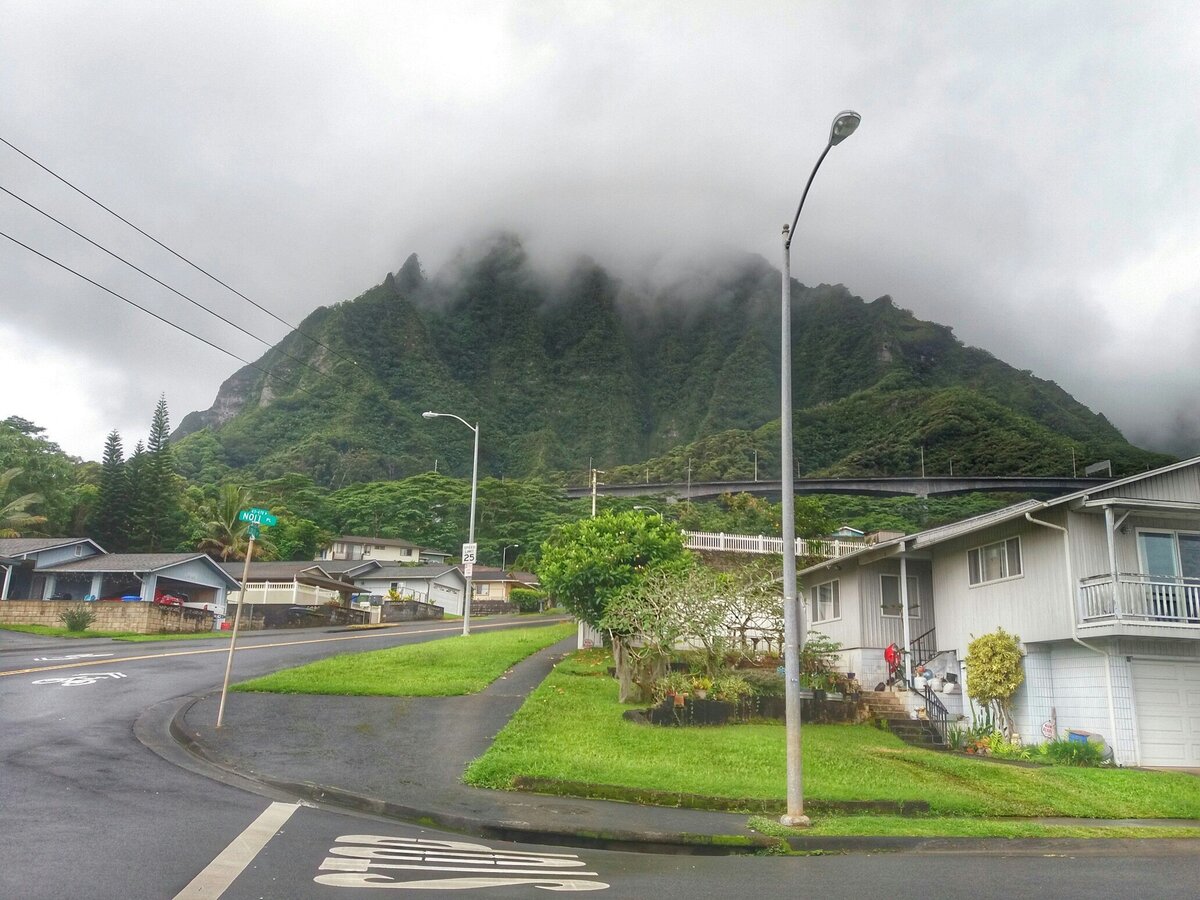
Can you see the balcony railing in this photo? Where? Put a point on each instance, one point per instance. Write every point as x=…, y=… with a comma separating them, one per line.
x=1151, y=599
x=258, y=592
x=757, y=543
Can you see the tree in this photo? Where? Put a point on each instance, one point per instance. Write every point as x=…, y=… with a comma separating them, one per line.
x=15, y=517
x=109, y=523
x=994, y=674
x=156, y=490
x=44, y=470
x=586, y=564
x=222, y=534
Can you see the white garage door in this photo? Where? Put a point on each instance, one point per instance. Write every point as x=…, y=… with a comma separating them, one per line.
x=1166, y=696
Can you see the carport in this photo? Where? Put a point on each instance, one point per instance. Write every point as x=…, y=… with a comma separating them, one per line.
x=141, y=576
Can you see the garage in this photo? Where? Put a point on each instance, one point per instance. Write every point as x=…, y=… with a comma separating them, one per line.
x=1166, y=696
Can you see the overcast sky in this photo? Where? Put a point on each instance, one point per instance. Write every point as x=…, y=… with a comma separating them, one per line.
x=1025, y=173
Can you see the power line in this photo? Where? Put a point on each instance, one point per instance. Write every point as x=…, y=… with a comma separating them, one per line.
x=155, y=315
x=157, y=281
x=174, y=253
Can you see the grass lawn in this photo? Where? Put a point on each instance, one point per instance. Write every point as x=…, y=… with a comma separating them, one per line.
x=571, y=728
x=442, y=668
x=53, y=631
x=907, y=826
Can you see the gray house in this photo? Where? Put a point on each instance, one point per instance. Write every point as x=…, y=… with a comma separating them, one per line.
x=442, y=586
x=22, y=558
x=1102, y=586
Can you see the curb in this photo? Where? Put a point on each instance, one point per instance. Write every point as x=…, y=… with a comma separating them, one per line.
x=677, y=843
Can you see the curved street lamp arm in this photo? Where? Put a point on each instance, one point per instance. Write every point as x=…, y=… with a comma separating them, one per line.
x=432, y=415
x=788, y=243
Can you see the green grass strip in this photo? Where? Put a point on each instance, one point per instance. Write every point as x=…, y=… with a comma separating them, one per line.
x=54, y=631
x=944, y=826
x=571, y=729
x=443, y=668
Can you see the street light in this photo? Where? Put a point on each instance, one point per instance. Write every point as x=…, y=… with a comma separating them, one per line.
x=471, y=531
x=793, y=632
x=651, y=509
x=504, y=555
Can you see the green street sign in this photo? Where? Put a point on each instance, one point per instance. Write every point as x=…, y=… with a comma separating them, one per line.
x=253, y=531
x=257, y=517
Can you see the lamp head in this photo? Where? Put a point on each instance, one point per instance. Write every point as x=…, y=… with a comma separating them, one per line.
x=843, y=126
x=429, y=415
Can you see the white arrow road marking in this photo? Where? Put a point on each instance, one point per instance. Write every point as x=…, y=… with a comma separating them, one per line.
x=85, y=678
x=70, y=656
x=219, y=874
x=359, y=865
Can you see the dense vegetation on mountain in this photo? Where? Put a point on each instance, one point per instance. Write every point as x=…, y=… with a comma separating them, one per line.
x=563, y=373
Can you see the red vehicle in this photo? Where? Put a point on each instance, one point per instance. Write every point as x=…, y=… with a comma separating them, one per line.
x=163, y=598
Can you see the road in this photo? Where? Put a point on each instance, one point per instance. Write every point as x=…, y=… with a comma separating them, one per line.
x=88, y=811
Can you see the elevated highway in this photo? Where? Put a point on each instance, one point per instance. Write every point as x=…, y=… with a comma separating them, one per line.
x=880, y=487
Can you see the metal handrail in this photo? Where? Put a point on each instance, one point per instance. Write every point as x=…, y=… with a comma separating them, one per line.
x=939, y=716
x=923, y=648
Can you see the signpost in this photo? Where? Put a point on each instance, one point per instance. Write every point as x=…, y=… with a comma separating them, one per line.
x=256, y=517
x=469, y=552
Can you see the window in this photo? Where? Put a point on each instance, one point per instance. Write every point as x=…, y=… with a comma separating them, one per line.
x=889, y=589
x=825, y=602
x=482, y=590
x=994, y=562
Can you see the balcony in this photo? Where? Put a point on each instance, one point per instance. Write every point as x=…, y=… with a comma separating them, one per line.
x=1140, y=600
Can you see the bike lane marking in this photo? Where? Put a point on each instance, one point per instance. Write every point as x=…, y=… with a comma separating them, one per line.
x=219, y=874
x=349, y=637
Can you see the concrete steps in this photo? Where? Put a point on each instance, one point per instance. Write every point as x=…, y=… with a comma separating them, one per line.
x=889, y=711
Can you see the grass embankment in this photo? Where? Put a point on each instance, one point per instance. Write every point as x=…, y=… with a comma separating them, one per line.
x=442, y=668
x=571, y=729
x=959, y=827
x=54, y=631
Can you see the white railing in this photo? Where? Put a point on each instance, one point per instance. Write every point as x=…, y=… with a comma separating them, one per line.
x=284, y=592
x=1152, y=599
x=751, y=543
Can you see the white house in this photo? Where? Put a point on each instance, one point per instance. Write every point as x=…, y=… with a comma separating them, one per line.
x=383, y=550
x=442, y=586
x=1102, y=586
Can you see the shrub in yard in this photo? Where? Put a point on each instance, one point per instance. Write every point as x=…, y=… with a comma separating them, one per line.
x=527, y=600
x=731, y=687
x=994, y=674
x=77, y=618
x=1073, y=753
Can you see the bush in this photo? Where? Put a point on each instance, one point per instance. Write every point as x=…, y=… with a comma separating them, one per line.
x=527, y=600
x=77, y=618
x=763, y=683
x=1073, y=753
x=731, y=687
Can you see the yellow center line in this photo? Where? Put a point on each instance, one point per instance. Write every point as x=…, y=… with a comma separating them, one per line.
x=124, y=659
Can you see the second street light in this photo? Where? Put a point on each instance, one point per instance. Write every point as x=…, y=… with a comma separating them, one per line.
x=468, y=566
x=793, y=632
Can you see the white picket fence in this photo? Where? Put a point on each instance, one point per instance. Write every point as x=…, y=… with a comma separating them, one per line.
x=758, y=543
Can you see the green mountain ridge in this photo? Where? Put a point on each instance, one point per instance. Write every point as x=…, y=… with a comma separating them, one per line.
x=636, y=380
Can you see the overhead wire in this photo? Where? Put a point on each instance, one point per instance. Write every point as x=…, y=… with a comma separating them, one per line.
x=153, y=314
x=176, y=254
x=158, y=281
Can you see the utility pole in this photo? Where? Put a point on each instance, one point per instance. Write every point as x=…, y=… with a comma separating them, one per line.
x=595, y=472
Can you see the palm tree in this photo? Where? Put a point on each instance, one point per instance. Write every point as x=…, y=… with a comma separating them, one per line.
x=225, y=537
x=13, y=515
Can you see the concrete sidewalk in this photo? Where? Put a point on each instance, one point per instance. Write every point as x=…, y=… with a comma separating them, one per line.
x=404, y=758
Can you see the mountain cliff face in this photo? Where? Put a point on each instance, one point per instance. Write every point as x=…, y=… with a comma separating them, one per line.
x=563, y=371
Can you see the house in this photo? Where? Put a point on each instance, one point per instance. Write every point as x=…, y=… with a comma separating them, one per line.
x=1102, y=586
x=440, y=585
x=383, y=550
x=295, y=583
x=496, y=585
x=21, y=558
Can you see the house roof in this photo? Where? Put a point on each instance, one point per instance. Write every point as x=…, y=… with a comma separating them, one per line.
x=349, y=567
x=488, y=573
x=19, y=546
x=401, y=573
x=943, y=533
x=135, y=562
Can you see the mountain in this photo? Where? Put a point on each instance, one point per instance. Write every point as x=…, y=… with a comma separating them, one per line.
x=560, y=371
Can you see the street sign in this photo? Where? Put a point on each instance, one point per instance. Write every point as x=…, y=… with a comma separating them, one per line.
x=468, y=569
x=253, y=532
x=468, y=552
x=257, y=517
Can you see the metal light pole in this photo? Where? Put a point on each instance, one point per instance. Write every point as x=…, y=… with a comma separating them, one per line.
x=504, y=555
x=651, y=509
x=471, y=530
x=793, y=625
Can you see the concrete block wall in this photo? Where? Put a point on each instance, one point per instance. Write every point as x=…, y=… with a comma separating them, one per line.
x=138, y=618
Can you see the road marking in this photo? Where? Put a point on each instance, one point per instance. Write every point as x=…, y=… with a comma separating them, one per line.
x=71, y=656
x=219, y=874
x=83, y=678
x=360, y=857
x=349, y=637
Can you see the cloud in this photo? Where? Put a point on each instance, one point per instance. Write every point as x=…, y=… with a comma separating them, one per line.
x=1023, y=173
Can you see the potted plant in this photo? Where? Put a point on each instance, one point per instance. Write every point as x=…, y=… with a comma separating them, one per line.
x=701, y=685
